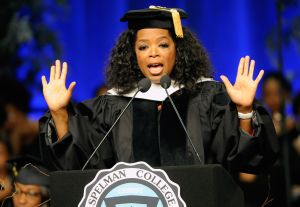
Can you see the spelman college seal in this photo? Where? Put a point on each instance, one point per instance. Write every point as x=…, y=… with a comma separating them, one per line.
x=131, y=185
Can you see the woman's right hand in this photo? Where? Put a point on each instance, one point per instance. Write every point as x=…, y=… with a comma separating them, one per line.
x=55, y=92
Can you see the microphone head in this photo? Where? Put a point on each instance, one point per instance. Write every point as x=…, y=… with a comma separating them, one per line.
x=144, y=85
x=165, y=81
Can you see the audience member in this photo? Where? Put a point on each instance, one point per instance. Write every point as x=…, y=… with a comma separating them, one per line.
x=22, y=132
x=31, y=182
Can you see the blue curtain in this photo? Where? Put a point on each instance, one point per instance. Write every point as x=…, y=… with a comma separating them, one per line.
x=228, y=30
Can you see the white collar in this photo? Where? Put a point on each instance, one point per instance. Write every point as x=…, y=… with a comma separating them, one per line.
x=155, y=93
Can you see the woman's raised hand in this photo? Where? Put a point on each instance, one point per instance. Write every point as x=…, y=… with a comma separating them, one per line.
x=55, y=92
x=242, y=93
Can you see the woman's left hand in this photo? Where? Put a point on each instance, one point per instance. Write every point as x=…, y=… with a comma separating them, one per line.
x=242, y=93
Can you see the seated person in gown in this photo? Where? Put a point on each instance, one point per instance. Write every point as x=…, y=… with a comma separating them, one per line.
x=31, y=183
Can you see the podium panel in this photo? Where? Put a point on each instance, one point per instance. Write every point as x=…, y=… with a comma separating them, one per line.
x=200, y=186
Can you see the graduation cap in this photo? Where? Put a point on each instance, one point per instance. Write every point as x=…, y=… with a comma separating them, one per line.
x=29, y=170
x=156, y=17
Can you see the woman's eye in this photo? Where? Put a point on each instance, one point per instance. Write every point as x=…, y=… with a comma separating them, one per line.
x=164, y=45
x=142, y=47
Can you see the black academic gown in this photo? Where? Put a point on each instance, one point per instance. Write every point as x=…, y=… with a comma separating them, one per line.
x=157, y=137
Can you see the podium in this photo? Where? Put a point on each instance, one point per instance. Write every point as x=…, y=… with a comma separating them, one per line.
x=200, y=186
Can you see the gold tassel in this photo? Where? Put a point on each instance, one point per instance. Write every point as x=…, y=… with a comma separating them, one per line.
x=177, y=23
x=15, y=171
x=175, y=17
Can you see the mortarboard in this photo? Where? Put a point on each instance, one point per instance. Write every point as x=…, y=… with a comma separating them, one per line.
x=156, y=17
x=29, y=170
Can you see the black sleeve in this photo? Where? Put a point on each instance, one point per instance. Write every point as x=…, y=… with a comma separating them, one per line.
x=236, y=149
x=88, y=123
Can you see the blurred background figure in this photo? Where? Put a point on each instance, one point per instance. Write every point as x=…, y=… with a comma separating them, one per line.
x=276, y=95
x=21, y=131
x=31, y=182
x=294, y=150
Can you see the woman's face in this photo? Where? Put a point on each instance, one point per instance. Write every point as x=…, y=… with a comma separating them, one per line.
x=155, y=52
x=271, y=95
x=27, y=195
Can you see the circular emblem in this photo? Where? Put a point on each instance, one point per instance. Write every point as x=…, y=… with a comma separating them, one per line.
x=131, y=185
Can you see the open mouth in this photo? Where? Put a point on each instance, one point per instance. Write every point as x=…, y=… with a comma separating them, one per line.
x=155, y=68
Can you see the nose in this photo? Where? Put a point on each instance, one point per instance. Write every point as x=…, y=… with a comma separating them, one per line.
x=154, y=52
x=22, y=199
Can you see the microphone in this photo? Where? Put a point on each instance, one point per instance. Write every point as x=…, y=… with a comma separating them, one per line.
x=165, y=82
x=143, y=86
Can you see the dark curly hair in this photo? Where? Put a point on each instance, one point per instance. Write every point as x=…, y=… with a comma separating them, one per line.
x=191, y=63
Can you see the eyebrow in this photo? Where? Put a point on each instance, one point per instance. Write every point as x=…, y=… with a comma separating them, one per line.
x=160, y=38
x=30, y=188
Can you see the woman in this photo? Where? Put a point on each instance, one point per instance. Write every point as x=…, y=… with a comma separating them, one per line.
x=31, y=184
x=226, y=126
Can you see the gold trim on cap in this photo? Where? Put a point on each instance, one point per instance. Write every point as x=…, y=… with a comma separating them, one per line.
x=175, y=17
